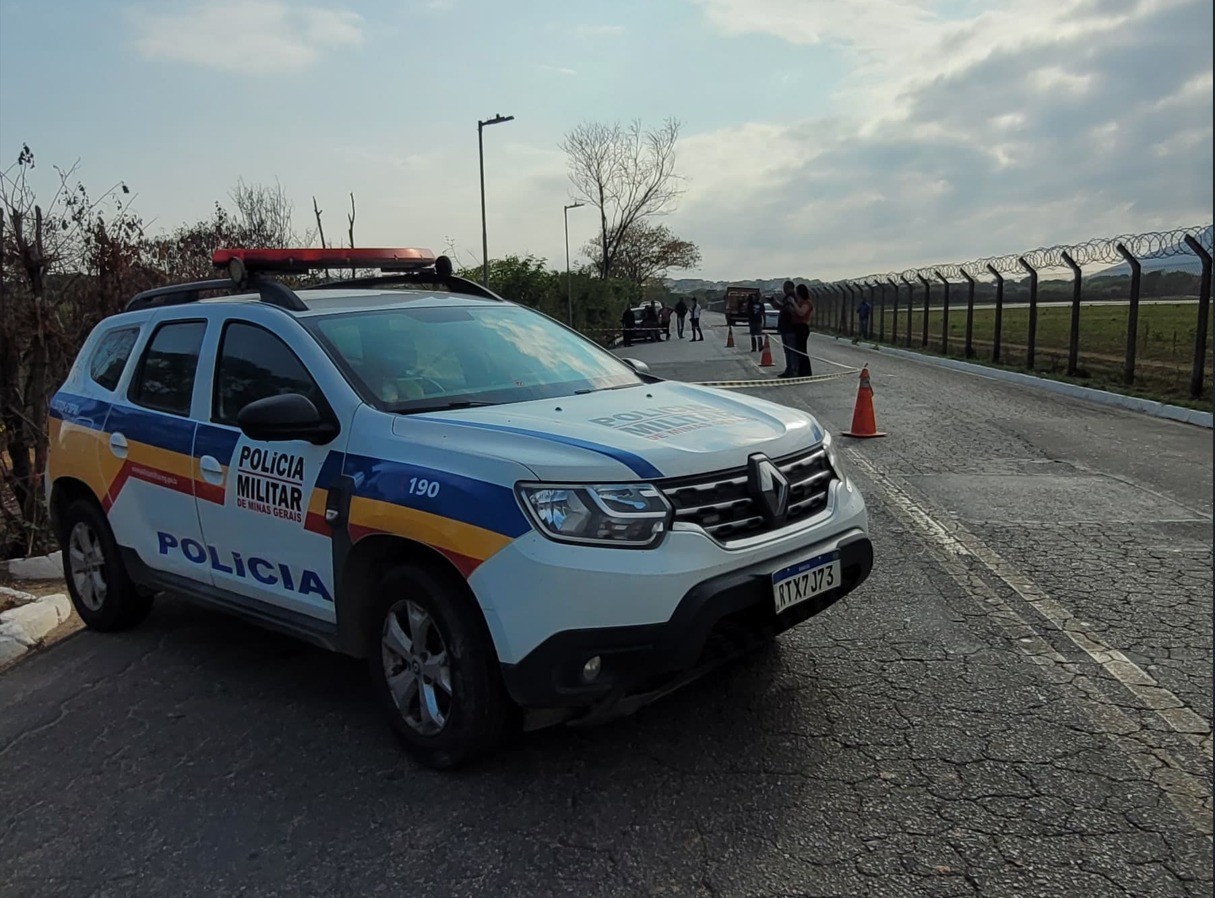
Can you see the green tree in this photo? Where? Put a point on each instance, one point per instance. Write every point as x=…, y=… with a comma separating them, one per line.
x=646, y=252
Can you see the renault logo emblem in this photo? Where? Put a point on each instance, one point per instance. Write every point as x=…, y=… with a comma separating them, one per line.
x=769, y=488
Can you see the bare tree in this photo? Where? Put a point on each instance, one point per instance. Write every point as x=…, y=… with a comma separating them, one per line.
x=627, y=173
x=350, y=218
x=60, y=263
x=263, y=214
x=647, y=252
x=320, y=228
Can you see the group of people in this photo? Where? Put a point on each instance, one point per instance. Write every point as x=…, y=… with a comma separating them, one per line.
x=655, y=321
x=793, y=325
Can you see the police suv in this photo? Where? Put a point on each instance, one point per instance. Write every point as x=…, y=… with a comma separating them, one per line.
x=512, y=525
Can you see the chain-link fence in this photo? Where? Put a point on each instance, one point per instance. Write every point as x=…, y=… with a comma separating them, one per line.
x=1142, y=324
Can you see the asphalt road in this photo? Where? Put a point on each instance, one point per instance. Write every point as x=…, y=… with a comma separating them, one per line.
x=1017, y=703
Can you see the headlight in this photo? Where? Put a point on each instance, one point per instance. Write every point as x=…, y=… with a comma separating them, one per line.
x=836, y=460
x=630, y=515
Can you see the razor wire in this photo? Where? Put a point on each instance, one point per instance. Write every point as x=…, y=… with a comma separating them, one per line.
x=1146, y=245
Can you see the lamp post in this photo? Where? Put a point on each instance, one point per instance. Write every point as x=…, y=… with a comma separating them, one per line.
x=496, y=120
x=569, y=285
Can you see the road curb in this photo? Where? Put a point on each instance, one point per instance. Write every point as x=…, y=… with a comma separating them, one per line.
x=23, y=627
x=39, y=567
x=1075, y=391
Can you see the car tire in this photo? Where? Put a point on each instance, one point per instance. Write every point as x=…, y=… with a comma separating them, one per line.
x=434, y=669
x=97, y=580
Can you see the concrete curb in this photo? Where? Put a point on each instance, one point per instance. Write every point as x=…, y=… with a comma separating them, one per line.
x=23, y=627
x=1075, y=391
x=42, y=567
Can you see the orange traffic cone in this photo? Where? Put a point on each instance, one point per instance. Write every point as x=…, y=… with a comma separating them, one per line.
x=765, y=358
x=864, y=424
x=730, y=337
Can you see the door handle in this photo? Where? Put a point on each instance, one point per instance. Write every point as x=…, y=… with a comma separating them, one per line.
x=212, y=470
x=118, y=445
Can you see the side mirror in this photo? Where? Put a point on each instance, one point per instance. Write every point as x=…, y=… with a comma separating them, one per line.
x=637, y=365
x=289, y=416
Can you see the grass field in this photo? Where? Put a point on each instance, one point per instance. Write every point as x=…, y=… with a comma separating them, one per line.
x=1164, y=345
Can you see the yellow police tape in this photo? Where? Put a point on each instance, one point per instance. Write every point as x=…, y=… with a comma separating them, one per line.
x=775, y=381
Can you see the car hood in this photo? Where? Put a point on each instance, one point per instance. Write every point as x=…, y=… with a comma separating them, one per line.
x=653, y=431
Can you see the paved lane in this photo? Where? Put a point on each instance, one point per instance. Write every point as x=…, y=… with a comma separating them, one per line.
x=933, y=734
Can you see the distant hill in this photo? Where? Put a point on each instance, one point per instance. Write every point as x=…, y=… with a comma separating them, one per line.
x=767, y=285
x=1178, y=258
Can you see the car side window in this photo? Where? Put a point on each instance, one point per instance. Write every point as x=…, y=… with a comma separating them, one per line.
x=165, y=379
x=254, y=364
x=110, y=357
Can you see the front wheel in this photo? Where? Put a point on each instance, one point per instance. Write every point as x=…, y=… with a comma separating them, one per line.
x=434, y=669
x=97, y=580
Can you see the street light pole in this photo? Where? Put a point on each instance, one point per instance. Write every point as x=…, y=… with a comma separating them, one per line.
x=496, y=120
x=569, y=286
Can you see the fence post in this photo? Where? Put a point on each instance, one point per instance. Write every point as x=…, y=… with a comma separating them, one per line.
x=838, y=311
x=1132, y=315
x=1204, y=319
x=910, y=305
x=968, y=349
x=881, y=306
x=1073, y=334
x=927, y=298
x=1033, y=312
x=894, y=322
x=995, y=345
x=944, y=315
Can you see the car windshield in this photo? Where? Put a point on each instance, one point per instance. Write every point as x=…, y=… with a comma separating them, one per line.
x=417, y=359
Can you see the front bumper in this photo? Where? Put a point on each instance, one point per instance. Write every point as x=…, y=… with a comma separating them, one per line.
x=718, y=619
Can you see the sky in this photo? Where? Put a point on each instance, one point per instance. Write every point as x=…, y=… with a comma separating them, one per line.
x=818, y=138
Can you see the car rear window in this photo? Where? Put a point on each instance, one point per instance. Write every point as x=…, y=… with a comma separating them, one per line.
x=110, y=357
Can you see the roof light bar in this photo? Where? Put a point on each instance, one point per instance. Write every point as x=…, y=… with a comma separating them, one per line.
x=253, y=261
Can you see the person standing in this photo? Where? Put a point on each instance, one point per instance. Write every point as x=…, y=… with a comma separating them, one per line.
x=664, y=317
x=755, y=321
x=694, y=315
x=628, y=321
x=785, y=327
x=803, y=309
x=862, y=313
x=681, y=312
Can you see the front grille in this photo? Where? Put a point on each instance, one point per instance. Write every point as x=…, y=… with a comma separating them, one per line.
x=722, y=504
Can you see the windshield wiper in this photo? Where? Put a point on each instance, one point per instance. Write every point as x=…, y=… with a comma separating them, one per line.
x=606, y=389
x=440, y=406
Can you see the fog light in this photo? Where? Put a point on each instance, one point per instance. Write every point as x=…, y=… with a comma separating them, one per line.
x=591, y=669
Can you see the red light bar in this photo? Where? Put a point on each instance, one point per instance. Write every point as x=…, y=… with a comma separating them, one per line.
x=310, y=259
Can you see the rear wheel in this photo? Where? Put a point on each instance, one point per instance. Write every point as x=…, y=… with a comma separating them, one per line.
x=97, y=580
x=434, y=669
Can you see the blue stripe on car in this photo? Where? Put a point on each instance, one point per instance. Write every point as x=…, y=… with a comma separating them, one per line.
x=486, y=505
x=160, y=430
x=634, y=463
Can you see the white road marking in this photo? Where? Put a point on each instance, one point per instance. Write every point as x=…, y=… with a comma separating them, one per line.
x=1188, y=793
x=956, y=540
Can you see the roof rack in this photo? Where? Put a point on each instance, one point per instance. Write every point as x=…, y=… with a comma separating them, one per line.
x=247, y=267
x=270, y=292
x=453, y=283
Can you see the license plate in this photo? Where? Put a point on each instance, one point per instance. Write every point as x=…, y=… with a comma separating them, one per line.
x=805, y=580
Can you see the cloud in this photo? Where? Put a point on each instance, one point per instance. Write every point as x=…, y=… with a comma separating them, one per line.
x=1092, y=118
x=598, y=31
x=250, y=37
x=557, y=70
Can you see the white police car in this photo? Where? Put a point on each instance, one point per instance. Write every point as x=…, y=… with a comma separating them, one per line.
x=494, y=511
